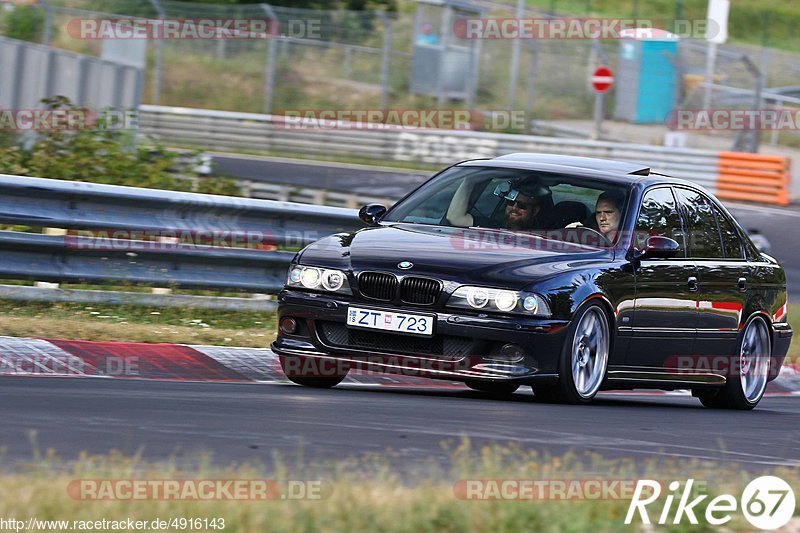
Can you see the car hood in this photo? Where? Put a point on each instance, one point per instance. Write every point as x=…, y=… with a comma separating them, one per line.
x=468, y=255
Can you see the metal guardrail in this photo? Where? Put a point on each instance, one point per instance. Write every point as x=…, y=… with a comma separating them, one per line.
x=270, y=133
x=115, y=211
x=307, y=195
x=78, y=205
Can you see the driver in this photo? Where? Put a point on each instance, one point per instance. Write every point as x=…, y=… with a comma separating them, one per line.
x=526, y=207
x=607, y=214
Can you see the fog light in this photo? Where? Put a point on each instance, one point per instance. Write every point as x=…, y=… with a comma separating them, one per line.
x=288, y=326
x=512, y=352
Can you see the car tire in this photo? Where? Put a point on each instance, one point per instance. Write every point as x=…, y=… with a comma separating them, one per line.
x=744, y=390
x=298, y=372
x=583, y=363
x=499, y=389
x=710, y=399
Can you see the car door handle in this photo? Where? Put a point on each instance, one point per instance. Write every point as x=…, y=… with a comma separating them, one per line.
x=742, y=284
x=692, y=283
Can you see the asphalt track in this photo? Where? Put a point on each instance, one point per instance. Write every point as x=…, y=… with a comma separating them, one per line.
x=250, y=422
x=235, y=422
x=781, y=226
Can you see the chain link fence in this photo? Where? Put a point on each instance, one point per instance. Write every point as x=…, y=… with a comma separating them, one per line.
x=363, y=60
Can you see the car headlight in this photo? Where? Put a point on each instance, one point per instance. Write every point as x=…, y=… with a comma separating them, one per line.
x=326, y=279
x=499, y=300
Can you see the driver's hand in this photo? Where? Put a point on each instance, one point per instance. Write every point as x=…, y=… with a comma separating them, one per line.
x=574, y=225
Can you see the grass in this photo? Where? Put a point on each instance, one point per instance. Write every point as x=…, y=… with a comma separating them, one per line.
x=373, y=496
x=137, y=324
x=750, y=21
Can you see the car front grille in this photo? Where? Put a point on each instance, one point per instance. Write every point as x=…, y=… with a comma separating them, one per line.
x=444, y=346
x=377, y=286
x=423, y=291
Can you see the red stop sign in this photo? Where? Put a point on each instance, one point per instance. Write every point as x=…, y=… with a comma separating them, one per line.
x=602, y=79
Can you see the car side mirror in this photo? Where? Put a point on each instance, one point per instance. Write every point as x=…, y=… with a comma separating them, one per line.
x=370, y=214
x=659, y=247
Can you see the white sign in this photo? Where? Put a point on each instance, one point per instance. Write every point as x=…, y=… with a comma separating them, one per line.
x=717, y=31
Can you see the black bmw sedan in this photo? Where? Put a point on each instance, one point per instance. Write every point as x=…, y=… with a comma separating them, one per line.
x=571, y=275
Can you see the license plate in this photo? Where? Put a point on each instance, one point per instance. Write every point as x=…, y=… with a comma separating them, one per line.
x=390, y=321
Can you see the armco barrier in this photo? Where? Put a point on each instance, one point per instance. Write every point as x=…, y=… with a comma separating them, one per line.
x=225, y=130
x=753, y=178
x=88, y=206
x=78, y=205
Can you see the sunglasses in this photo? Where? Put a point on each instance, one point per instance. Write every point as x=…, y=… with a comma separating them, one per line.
x=525, y=206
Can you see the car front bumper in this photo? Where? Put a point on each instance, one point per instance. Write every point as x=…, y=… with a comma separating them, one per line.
x=464, y=346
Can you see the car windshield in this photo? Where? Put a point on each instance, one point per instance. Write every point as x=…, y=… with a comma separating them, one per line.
x=555, y=206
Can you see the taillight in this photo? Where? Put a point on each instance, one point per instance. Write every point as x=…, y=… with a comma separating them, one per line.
x=782, y=315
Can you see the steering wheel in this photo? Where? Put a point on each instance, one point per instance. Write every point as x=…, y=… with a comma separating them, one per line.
x=602, y=235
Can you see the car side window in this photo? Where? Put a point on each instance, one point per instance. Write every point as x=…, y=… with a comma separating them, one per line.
x=658, y=216
x=731, y=243
x=703, y=232
x=433, y=209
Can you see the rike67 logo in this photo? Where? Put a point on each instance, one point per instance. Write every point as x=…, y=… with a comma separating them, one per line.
x=767, y=503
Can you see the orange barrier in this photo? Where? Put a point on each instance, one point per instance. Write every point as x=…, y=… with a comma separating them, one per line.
x=753, y=178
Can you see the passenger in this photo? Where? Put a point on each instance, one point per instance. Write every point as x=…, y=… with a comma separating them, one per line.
x=530, y=208
x=523, y=212
x=607, y=214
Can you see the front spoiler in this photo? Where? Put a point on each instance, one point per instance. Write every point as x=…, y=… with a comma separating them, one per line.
x=462, y=370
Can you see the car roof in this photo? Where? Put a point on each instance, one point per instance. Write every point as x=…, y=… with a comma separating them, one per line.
x=607, y=165
x=617, y=172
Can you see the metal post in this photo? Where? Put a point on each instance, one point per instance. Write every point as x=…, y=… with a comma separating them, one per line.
x=269, y=68
x=598, y=115
x=765, y=48
x=445, y=40
x=529, y=101
x=758, y=103
x=512, y=78
x=48, y=73
x=47, y=35
x=159, y=59
x=386, y=60
x=773, y=138
x=711, y=57
x=475, y=49
x=348, y=61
